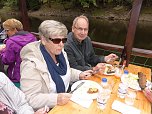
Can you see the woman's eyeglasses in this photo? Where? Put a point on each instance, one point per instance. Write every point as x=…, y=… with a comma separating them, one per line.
x=58, y=40
x=6, y=30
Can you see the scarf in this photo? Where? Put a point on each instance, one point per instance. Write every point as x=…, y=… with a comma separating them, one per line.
x=55, y=71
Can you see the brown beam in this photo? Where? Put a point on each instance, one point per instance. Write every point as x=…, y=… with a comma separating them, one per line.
x=118, y=48
x=24, y=14
x=132, y=27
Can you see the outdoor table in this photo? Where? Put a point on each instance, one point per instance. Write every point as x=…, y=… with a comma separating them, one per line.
x=140, y=103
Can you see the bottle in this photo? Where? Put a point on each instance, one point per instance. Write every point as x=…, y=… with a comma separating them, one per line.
x=104, y=94
x=119, y=71
x=125, y=74
x=123, y=57
x=122, y=90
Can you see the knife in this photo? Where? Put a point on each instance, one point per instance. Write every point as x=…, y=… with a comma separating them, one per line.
x=77, y=87
x=96, y=71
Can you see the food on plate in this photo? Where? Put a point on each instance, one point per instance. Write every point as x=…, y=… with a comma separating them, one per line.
x=131, y=80
x=110, y=69
x=92, y=90
x=142, y=80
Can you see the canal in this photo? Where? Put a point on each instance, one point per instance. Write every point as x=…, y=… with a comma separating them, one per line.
x=106, y=31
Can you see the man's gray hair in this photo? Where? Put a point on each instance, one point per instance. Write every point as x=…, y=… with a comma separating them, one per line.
x=49, y=28
x=77, y=18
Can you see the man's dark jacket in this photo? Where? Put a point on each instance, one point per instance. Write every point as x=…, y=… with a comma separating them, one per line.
x=81, y=55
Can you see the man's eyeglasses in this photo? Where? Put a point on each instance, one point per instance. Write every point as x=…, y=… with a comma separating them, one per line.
x=81, y=29
x=58, y=40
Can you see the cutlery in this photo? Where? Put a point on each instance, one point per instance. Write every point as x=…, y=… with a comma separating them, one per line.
x=96, y=71
x=77, y=87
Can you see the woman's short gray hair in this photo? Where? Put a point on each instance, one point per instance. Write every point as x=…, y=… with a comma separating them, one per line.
x=49, y=28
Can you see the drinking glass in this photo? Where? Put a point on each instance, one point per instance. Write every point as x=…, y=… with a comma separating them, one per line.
x=122, y=90
x=119, y=71
x=130, y=96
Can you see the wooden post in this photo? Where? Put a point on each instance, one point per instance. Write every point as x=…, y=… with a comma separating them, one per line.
x=132, y=27
x=24, y=15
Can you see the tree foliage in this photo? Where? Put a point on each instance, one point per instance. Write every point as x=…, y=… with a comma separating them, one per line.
x=36, y=4
x=33, y=4
x=9, y=3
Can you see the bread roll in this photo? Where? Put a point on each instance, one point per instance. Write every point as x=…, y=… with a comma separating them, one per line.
x=142, y=80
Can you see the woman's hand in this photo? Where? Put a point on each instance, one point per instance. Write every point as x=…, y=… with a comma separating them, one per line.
x=148, y=94
x=2, y=47
x=63, y=98
x=85, y=74
x=42, y=110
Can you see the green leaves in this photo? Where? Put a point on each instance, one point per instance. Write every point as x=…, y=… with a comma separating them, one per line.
x=87, y=3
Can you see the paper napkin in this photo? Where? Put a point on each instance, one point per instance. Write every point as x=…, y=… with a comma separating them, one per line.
x=124, y=108
x=82, y=100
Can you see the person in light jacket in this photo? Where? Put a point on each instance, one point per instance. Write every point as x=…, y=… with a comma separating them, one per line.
x=17, y=38
x=12, y=100
x=45, y=71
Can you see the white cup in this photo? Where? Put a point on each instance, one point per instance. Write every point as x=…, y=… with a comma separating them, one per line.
x=119, y=71
x=102, y=98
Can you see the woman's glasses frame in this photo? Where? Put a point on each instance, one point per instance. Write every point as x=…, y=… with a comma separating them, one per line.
x=58, y=40
x=6, y=30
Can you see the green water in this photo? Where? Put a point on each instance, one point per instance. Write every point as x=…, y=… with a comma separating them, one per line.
x=105, y=31
x=112, y=32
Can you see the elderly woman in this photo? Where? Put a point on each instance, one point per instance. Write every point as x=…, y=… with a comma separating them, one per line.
x=17, y=38
x=12, y=100
x=45, y=70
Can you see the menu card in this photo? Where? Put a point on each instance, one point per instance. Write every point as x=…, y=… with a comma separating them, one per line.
x=124, y=108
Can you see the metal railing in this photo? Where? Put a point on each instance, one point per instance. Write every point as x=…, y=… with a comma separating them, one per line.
x=139, y=57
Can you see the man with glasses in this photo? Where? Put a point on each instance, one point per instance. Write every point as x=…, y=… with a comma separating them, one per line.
x=79, y=48
x=45, y=71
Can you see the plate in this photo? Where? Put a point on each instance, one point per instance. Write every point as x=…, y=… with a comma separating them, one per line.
x=106, y=69
x=131, y=80
x=85, y=87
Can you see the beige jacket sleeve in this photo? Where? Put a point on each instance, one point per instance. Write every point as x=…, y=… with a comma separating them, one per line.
x=13, y=97
x=35, y=85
